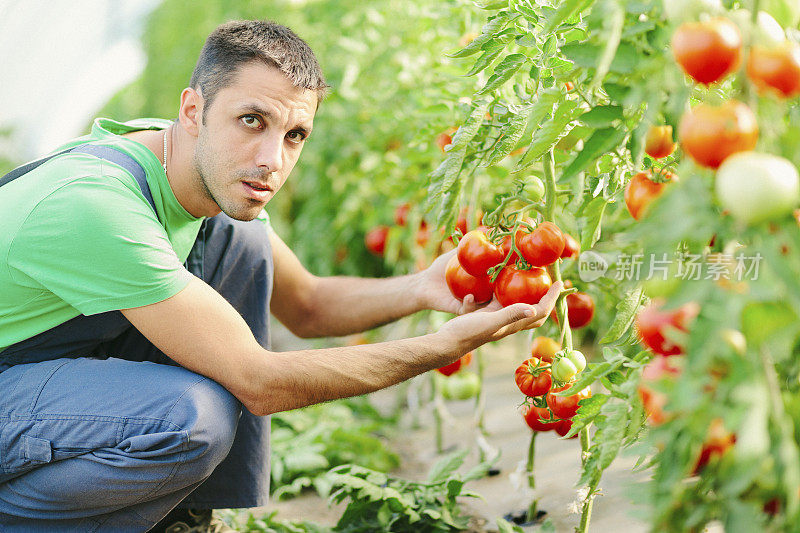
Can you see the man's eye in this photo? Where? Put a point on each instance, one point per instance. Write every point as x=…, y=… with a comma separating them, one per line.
x=296, y=136
x=251, y=121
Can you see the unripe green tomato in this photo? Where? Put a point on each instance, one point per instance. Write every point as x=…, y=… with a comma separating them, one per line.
x=576, y=358
x=563, y=370
x=534, y=188
x=756, y=187
x=460, y=386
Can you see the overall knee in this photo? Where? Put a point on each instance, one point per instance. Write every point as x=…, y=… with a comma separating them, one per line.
x=210, y=414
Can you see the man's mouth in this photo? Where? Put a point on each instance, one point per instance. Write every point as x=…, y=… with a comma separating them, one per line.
x=258, y=186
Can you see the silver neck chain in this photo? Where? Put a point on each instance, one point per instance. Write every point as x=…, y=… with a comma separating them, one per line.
x=165, y=150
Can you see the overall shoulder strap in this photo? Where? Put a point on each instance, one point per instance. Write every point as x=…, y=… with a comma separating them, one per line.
x=102, y=152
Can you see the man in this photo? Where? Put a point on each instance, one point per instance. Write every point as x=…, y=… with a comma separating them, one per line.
x=129, y=377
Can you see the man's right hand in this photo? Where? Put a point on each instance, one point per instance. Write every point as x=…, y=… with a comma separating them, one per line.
x=489, y=324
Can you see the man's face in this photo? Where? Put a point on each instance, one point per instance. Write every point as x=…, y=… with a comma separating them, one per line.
x=250, y=139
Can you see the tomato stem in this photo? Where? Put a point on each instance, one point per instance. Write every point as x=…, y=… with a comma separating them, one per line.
x=534, y=505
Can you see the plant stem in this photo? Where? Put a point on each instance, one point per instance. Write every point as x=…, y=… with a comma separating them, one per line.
x=437, y=416
x=549, y=214
x=533, y=508
x=588, y=503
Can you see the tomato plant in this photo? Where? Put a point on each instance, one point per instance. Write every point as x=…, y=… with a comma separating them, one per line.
x=477, y=254
x=566, y=406
x=534, y=415
x=658, y=328
x=775, y=69
x=659, y=143
x=708, y=50
x=709, y=133
x=461, y=283
x=544, y=348
x=641, y=191
x=455, y=366
x=533, y=377
x=375, y=239
x=543, y=246
x=514, y=285
x=755, y=187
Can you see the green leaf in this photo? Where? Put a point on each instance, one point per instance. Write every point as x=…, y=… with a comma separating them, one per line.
x=470, y=128
x=601, y=116
x=567, y=9
x=493, y=50
x=588, y=411
x=588, y=55
x=760, y=321
x=626, y=314
x=550, y=133
x=503, y=526
x=510, y=135
x=490, y=29
x=454, y=487
x=591, y=222
x=614, y=23
x=601, y=142
x=613, y=431
x=446, y=466
x=503, y=72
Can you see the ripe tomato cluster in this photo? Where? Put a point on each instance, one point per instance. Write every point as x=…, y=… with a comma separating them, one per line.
x=514, y=269
x=548, y=371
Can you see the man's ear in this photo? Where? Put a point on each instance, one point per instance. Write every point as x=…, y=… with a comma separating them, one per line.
x=190, y=113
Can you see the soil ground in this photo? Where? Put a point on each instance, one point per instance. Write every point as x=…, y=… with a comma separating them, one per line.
x=557, y=464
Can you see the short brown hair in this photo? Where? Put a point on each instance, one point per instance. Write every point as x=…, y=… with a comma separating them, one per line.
x=238, y=42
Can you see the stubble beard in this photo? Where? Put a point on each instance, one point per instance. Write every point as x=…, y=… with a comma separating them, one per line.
x=201, y=166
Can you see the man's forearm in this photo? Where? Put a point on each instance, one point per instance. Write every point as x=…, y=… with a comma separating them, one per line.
x=344, y=305
x=281, y=381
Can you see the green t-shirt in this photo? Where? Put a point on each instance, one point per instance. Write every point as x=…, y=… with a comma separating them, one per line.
x=79, y=237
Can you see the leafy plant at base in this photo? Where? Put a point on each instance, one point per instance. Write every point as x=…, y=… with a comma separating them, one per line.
x=379, y=502
x=307, y=442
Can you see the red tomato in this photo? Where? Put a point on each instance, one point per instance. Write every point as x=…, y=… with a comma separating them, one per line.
x=533, y=416
x=532, y=379
x=709, y=50
x=572, y=248
x=543, y=246
x=652, y=323
x=654, y=401
x=514, y=285
x=423, y=234
x=569, y=86
x=641, y=191
x=455, y=366
x=401, y=214
x=461, y=283
x=563, y=427
x=719, y=441
x=375, y=239
x=544, y=348
x=709, y=134
x=477, y=254
x=443, y=140
x=659, y=143
x=775, y=69
x=580, y=310
x=566, y=406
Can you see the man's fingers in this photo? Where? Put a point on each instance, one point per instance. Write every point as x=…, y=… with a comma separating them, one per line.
x=548, y=301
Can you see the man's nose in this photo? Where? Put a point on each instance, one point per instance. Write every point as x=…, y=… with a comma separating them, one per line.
x=270, y=153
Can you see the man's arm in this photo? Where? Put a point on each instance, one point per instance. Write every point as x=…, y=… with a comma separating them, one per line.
x=312, y=306
x=199, y=330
